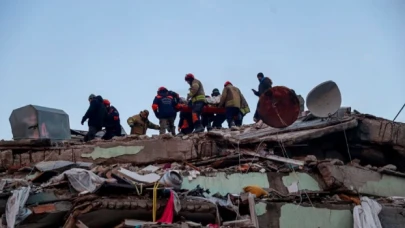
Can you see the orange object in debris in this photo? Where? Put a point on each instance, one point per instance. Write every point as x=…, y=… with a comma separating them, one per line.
x=255, y=190
x=279, y=107
x=44, y=208
x=244, y=167
x=353, y=199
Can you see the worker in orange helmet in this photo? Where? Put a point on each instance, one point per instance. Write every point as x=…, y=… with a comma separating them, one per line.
x=164, y=106
x=197, y=96
x=112, y=123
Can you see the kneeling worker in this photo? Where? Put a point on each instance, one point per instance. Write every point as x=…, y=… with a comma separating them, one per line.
x=140, y=123
x=164, y=107
x=233, y=100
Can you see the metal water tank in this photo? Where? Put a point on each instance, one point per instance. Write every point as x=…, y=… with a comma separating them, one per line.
x=37, y=122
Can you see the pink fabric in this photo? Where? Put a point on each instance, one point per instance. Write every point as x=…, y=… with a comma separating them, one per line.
x=168, y=213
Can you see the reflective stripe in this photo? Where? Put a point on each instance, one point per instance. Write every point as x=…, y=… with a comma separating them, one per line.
x=198, y=98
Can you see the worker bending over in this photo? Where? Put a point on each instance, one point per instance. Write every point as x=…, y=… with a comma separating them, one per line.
x=197, y=97
x=185, y=126
x=96, y=114
x=164, y=106
x=140, y=123
x=233, y=101
x=112, y=123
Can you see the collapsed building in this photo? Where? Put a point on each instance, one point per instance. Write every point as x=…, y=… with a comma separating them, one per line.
x=317, y=172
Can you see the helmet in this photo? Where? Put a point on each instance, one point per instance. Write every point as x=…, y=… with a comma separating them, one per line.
x=92, y=96
x=189, y=77
x=161, y=89
x=227, y=83
x=106, y=102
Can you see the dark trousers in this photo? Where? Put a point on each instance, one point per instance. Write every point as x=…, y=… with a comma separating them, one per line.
x=218, y=120
x=256, y=116
x=110, y=132
x=168, y=124
x=206, y=120
x=232, y=113
x=91, y=134
x=196, y=110
x=239, y=120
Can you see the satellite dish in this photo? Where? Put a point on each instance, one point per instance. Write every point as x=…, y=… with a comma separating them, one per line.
x=324, y=100
x=279, y=107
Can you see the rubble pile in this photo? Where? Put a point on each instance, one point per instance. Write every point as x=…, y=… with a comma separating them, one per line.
x=334, y=172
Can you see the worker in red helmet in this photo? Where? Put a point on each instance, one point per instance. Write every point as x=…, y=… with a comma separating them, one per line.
x=197, y=96
x=112, y=123
x=235, y=104
x=165, y=108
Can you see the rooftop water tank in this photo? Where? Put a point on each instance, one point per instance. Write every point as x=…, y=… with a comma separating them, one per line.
x=37, y=122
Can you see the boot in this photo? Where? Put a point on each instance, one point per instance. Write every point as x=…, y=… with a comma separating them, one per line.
x=181, y=134
x=231, y=124
x=199, y=128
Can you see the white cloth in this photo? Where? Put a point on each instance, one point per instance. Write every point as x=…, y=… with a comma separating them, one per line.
x=213, y=100
x=366, y=215
x=80, y=179
x=15, y=209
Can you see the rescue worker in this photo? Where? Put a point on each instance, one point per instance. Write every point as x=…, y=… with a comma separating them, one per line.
x=207, y=118
x=218, y=118
x=232, y=99
x=96, y=114
x=265, y=83
x=112, y=123
x=185, y=125
x=140, y=123
x=197, y=97
x=164, y=106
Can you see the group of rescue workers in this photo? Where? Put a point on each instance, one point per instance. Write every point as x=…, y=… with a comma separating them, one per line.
x=167, y=103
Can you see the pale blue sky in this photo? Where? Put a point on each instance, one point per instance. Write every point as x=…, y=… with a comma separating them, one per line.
x=55, y=53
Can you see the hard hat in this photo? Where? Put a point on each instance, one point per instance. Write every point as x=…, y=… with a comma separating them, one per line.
x=189, y=77
x=162, y=89
x=106, y=102
x=227, y=83
x=92, y=96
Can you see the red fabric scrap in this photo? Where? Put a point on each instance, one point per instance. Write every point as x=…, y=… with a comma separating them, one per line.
x=168, y=213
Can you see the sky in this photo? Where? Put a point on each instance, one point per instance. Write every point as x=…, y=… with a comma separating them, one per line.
x=56, y=53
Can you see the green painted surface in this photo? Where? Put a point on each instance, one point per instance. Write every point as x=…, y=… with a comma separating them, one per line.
x=222, y=183
x=112, y=152
x=305, y=181
x=260, y=208
x=293, y=216
x=387, y=186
